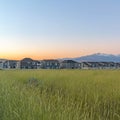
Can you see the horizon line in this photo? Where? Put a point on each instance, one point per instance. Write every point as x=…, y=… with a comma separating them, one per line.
x=59, y=57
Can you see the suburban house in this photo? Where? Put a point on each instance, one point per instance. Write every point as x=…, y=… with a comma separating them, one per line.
x=28, y=63
x=98, y=65
x=12, y=64
x=70, y=64
x=50, y=64
x=85, y=65
x=2, y=61
x=39, y=64
x=111, y=65
x=106, y=65
x=1, y=65
x=8, y=64
x=18, y=65
x=95, y=65
x=118, y=65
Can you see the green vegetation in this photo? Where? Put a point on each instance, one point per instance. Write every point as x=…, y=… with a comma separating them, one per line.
x=59, y=95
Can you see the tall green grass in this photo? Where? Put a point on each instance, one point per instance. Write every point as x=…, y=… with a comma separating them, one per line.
x=60, y=95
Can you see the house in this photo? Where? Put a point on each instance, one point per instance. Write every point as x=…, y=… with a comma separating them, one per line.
x=95, y=65
x=2, y=61
x=39, y=64
x=69, y=64
x=18, y=65
x=50, y=64
x=1, y=65
x=107, y=65
x=86, y=65
x=112, y=65
x=117, y=65
x=28, y=63
x=98, y=65
x=12, y=64
x=8, y=64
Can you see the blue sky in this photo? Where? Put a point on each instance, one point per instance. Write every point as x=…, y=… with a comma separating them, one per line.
x=59, y=28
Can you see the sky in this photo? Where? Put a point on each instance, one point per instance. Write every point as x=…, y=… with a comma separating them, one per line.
x=48, y=29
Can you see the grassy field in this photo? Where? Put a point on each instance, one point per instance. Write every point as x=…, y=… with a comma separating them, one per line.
x=59, y=95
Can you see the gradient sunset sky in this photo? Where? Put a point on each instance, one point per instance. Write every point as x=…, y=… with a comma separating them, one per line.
x=43, y=29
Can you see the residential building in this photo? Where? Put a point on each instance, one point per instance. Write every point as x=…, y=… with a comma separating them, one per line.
x=69, y=64
x=50, y=64
x=28, y=63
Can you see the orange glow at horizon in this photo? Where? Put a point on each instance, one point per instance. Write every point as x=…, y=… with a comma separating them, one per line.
x=52, y=54
x=40, y=56
x=46, y=55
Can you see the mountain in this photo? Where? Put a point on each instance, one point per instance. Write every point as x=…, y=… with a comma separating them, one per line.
x=98, y=57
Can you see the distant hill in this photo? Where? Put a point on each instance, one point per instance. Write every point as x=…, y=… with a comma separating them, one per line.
x=99, y=57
